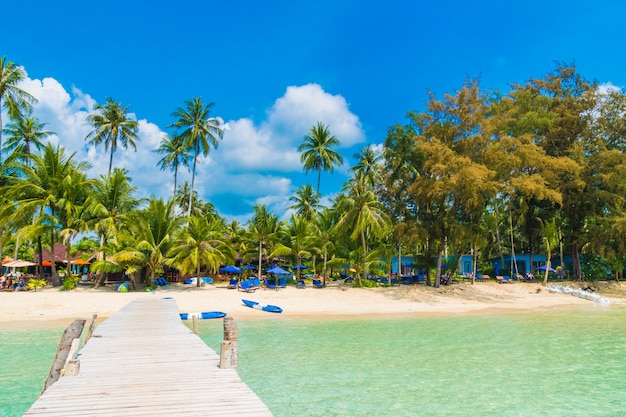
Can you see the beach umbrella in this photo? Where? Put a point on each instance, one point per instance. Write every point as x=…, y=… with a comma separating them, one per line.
x=249, y=267
x=18, y=263
x=80, y=262
x=543, y=268
x=231, y=269
x=277, y=270
x=300, y=267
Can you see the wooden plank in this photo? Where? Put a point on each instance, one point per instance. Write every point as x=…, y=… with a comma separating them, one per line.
x=144, y=362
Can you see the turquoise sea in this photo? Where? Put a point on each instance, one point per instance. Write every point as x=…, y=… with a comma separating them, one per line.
x=563, y=363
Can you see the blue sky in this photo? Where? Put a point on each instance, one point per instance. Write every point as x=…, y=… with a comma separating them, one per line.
x=275, y=68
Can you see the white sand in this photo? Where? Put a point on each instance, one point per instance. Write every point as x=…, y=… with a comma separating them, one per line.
x=52, y=307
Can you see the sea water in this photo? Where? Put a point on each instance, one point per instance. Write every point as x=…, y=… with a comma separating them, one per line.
x=561, y=363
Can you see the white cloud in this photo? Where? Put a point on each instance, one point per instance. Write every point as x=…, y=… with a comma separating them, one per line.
x=302, y=107
x=608, y=88
x=258, y=164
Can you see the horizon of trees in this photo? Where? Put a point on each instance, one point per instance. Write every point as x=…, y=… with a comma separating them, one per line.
x=540, y=168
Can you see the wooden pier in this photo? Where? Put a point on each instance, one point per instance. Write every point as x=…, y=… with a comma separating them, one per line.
x=144, y=362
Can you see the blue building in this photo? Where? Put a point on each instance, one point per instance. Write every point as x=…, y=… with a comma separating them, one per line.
x=523, y=262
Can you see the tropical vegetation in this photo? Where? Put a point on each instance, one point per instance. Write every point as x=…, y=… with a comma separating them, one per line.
x=538, y=169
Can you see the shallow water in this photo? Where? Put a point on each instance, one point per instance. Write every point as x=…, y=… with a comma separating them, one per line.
x=567, y=363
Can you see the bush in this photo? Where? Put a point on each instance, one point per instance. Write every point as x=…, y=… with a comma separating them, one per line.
x=367, y=283
x=35, y=283
x=69, y=283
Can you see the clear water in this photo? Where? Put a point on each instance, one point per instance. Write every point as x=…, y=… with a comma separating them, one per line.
x=26, y=357
x=550, y=364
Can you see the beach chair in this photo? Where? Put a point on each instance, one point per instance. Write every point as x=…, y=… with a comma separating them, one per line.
x=256, y=283
x=232, y=284
x=300, y=284
x=246, y=286
x=317, y=283
x=504, y=279
x=270, y=284
x=483, y=278
x=282, y=282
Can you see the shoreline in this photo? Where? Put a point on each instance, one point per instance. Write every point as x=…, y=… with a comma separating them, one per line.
x=52, y=308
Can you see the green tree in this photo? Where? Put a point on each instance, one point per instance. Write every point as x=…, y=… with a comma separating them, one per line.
x=363, y=217
x=198, y=132
x=295, y=240
x=175, y=155
x=261, y=229
x=202, y=244
x=24, y=133
x=317, y=153
x=304, y=202
x=13, y=98
x=367, y=165
x=112, y=127
x=43, y=189
x=112, y=201
x=323, y=233
x=149, y=237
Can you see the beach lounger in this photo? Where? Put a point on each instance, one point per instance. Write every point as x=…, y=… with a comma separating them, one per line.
x=282, y=282
x=246, y=286
x=232, y=284
x=318, y=283
x=504, y=279
x=301, y=284
x=270, y=283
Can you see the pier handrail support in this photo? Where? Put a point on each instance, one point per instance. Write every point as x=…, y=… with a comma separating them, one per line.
x=72, y=332
x=229, y=356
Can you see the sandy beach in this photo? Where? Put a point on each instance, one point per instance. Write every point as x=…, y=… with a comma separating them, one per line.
x=53, y=307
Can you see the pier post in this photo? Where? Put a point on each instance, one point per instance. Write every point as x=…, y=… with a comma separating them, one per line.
x=230, y=352
x=194, y=319
x=92, y=326
x=73, y=331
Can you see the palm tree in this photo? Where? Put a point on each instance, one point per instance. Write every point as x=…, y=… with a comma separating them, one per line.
x=175, y=155
x=367, y=165
x=363, y=215
x=42, y=192
x=182, y=199
x=317, y=153
x=112, y=127
x=262, y=227
x=23, y=133
x=304, y=202
x=111, y=202
x=323, y=232
x=148, y=237
x=297, y=241
x=11, y=96
x=201, y=244
x=198, y=132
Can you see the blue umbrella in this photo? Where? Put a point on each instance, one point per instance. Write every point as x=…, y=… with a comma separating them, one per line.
x=231, y=268
x=277, y=270
x=249, y=267
x=543, y=268
x=300, y=267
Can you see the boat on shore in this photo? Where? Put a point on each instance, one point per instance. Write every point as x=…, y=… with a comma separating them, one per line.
x=265, y=307
x=203, y=315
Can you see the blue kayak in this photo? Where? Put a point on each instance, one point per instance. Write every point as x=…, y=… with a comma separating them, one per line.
x=203, y=316
x=265, y=307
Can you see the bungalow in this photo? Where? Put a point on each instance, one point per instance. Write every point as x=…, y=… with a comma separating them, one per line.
x=522, y=263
